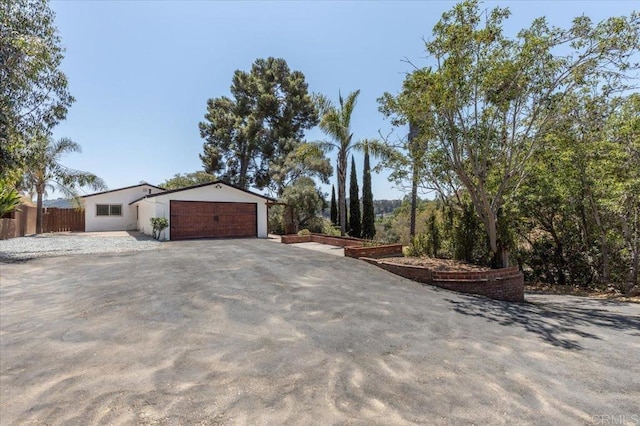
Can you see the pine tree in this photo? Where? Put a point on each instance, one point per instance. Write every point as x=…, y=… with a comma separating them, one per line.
x=368, y=213
x=334, y=207
x=354, y=203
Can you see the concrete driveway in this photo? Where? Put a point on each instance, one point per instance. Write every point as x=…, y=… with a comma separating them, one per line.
x=252, y=332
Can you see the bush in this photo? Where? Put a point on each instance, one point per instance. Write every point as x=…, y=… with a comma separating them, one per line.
x=304, y=232
x=274, y=220
x=419, y=246
x=158, y=224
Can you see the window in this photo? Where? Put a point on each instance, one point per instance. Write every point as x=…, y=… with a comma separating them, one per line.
x=108, y=209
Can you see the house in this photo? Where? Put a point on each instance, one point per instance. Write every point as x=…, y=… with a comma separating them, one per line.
x=210, y=210
x=110, y=211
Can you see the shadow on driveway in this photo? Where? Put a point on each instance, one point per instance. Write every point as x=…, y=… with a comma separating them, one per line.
x=554, y=322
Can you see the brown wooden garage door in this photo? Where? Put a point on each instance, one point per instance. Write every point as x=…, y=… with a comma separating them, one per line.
x=200, y=219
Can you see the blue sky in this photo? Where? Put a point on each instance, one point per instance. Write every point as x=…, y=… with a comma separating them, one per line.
x=141, y=72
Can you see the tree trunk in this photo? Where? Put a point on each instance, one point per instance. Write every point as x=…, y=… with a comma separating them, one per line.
x=414, y=202
x=560, y=260
x=413, y=132
x=635, y=252
x=342, y=199
x=499, y=251
x=242, y=177
x=40, y=192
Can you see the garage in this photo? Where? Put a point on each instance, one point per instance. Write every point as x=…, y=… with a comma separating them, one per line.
x=210, y=210
x=202, y=219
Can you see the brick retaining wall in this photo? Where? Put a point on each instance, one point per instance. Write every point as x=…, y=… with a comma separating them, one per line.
x=323, y=239
x=374, y=251
x=500, y=284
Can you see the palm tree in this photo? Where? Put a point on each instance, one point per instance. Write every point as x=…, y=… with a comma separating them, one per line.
x=44, y=171
x=335, y=122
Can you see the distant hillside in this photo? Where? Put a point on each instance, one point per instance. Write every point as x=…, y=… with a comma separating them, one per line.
x=385, y=207
x=381, y=208
x=60, y=203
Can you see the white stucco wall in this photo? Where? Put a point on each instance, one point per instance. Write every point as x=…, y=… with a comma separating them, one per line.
x=158, y=206
x=126, y=222
x=148, y=209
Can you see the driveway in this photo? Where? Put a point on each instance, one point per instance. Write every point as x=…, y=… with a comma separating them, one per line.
x=252, y=332
x=67, y=243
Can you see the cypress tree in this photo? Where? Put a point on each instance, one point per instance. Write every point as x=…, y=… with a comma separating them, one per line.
x=354, y=203
x=334, y=207
x=368, y=213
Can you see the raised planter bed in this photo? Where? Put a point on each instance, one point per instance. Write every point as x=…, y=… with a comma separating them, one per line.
x=501, y=284
x=323, y=239
x=353, y=247
x=373, y=251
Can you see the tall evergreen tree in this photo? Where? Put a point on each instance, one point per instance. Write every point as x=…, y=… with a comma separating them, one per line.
x=258, y=126
x=334, y=206
x=368, y=213
x=355, y=229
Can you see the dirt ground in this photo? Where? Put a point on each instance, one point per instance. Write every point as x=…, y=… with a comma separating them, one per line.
x=251, y=332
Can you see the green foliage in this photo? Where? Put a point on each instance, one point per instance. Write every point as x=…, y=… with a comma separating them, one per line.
x=334, y=207
x=275, y=220
x=43, y=170
x=355, y=227
x=187, y=179
x=158, y=224
x=435, y=240
x=394, y=228
x=335, y=122
x=489, y=101
x=33, y=89
x=579, y=206
x=9, y=199
x=264, y=121
x=305, y=199
x=368, y=214
x=427, y=243
x=328, y=228
x=419, y=246
x=304, y=232
x=468, y=241
x=306, y=160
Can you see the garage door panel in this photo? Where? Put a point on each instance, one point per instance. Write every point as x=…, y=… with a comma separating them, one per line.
x=199, y=219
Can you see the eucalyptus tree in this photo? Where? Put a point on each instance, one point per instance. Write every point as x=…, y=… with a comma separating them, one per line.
x=259, y=125
x=44, y=171
x=492, y=98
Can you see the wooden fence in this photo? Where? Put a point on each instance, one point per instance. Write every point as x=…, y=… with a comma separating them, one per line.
x=62, y=220
x=18, y=223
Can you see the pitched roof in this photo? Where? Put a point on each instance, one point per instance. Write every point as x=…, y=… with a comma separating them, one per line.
x=126, y=187
x=218, y=182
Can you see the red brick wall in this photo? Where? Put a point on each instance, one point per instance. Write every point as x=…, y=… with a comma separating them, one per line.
x=294, y=239
x=324, y=239
x=500, y=284
x=374, y=251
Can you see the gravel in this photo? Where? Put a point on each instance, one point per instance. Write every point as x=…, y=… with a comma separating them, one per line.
x=63, y=244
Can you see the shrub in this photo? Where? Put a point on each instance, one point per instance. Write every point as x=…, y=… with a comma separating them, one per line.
x=304, y=232
x=419, y=246
x=158, y=224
